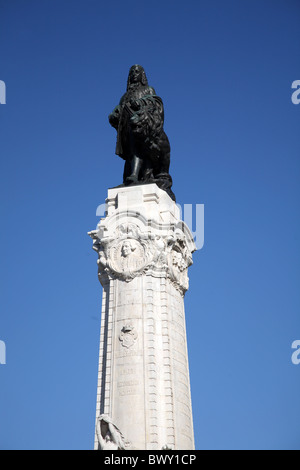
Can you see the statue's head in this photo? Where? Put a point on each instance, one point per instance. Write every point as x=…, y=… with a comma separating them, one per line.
x=127, y=248
x=136, y=75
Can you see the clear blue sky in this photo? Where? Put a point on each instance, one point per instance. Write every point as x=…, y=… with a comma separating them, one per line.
x=224, y=71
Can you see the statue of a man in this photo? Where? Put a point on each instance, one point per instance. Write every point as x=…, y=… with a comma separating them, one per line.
x=141, y=140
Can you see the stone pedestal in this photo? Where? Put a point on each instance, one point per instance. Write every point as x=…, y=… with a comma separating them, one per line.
x=144, y=249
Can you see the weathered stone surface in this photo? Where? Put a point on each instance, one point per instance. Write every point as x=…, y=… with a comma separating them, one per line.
x=144, y=251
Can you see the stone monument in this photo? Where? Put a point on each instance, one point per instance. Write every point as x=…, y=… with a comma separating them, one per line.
x=144, y=251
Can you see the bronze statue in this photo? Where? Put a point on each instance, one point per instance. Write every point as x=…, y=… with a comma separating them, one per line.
x=141, y=140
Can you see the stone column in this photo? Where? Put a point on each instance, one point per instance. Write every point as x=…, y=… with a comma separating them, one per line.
x=144, y=251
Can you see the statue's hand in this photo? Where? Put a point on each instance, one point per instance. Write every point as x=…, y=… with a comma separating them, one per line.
x=114, y=117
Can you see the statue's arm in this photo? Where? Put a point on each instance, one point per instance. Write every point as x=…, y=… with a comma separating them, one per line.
x=137, y=104
x=114, y=117
x=116, y=436
x=99, y=435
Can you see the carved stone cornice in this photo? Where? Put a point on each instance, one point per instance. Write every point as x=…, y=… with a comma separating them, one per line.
x=134, y=248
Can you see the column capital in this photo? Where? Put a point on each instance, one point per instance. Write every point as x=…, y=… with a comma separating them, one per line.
x=143, y=234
